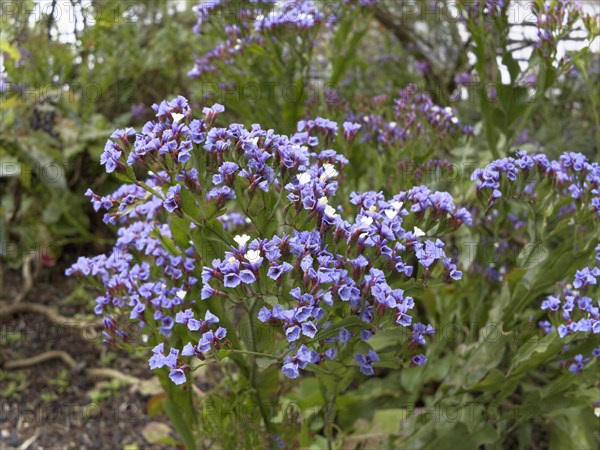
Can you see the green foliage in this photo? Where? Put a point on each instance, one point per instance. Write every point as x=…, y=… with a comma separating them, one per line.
x=494, y=379
x=64, y=99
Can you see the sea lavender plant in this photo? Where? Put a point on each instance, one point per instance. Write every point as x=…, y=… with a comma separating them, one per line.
x=415, y=118
x=320, y=277
x=575, y=311
x=256, y=24
x=556, y=21
x=573, y=179
x=559, y=194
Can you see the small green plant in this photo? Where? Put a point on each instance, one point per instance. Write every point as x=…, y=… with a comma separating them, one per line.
x=105, y=390
x=13, y=383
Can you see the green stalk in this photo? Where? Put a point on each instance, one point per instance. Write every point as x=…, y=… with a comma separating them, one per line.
x=264, y=413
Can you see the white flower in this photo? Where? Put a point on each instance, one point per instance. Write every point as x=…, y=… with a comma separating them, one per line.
x=373, y=208
x=231, y=259
x=397, y=205
x=303, y=178
x=330, y=211
x=366, y=220
x=241, y=240
x=252, y=256
x=418, y=232
x=329, y=172
x=597, y=412
x=177, y=117
x=323, y=201
x=181, y=294
x=390, y=213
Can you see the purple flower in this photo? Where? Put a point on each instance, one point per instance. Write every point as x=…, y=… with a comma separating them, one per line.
x=276, y=271
x=110, y=156
x=264, y=314
x=300, y=360
x=226, y=173
x=331, y=352
x=344, y=335
x=418, y=360
x=293, y=333
x=173, y=198
x=552, y=303
x=464, y=216
x=351, y=130
x=221, y=194
x=366, y=362
x=177, y=376
x=585, y=277
x=290, y=370
x=430, y=252
x=309, y=329
x=578, y=362
x=159, y=360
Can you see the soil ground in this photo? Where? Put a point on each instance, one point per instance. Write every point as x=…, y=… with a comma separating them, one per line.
x=49, y=406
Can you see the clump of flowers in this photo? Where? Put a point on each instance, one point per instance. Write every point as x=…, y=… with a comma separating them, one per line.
x=254, y=24
x=556, y=20
x=324, y=277
x=486, y=10
x=562, y=188
x=571, y=176
x=415, y=116
x=576, y=310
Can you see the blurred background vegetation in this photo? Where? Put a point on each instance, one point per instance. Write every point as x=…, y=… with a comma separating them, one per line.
x=67, y=84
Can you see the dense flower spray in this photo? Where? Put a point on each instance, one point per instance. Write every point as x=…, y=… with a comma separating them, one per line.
x=255, y=22
x=572, y=176
x=568, y=188
x=415, y=117
x=576, y=310
x=324, y=277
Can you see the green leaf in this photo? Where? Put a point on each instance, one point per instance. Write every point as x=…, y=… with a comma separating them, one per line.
x=168, y=243
x=173, y=411
x=512, y=65
x=493, y=380
x=189, y=205
x=389, y=420
x=9, y=49
x=180, y=230
x=158, y=433
x=486, y=355
x=534, y=352
x=263, y=363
